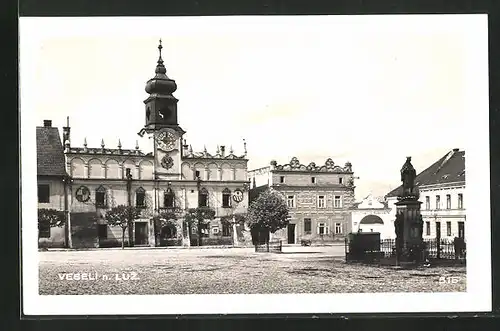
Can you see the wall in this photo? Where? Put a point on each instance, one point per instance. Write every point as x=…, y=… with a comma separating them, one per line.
x=108, y=166
x=443, y=215
x=306, y=206
x=386, y=230
x=305, y=178
x=56, y=201
x=259, y=177
x=215, y=170
x=56, y=238
x=56, y=190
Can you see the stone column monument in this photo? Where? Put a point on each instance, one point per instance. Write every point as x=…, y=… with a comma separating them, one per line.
x=408, y=224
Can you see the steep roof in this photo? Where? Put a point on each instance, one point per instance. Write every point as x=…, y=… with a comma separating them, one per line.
x=49, y=152
x=448, y=169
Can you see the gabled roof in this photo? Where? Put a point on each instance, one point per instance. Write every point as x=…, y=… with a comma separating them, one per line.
x=49, y=152
x=448, y=169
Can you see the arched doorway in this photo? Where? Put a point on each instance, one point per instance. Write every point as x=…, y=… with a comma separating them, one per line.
x=371, y=223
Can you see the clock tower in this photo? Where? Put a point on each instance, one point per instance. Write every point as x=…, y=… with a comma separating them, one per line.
x=161, y=122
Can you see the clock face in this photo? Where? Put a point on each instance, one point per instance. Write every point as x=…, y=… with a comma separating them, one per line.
x=166, y=140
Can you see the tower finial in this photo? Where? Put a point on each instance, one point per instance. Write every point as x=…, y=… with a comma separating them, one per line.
x=119, y=144
x=137, y=144
x=102, y=143
x=245, y=146
x=160, y=47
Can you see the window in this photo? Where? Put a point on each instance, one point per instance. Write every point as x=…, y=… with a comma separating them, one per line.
x=102, y=231
x=226, y=229
x=341, y=180
x=43, y=193
x=448, y=201
x=337, y=201
x=321, y=201
x=290, y=201
x=460, y=201
x=461, y=230
x=427, y=202
x=313, y=180
x=203, y=198
x=448, y=229
x=338, y=228
x=140, y=198
x=307, y=226
x=282, y=179
x=226, y=198
x=100, y=197
x=427, y=228
x=169, y=198
x=438, y=202
x=44, y=229
x=215, y=230
x=196, y=174
x=323, y=229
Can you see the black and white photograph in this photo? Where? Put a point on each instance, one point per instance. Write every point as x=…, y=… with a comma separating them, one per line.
x=255, y=164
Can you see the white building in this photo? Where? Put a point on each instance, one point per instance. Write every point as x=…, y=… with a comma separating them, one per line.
x=441, y=187
x=371, y=215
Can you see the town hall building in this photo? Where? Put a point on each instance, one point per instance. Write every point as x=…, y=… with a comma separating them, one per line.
x=172, y=177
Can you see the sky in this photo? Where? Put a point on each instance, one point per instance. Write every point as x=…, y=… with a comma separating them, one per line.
x=370, y=90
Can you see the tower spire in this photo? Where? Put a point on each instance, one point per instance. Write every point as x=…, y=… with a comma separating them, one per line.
x=160, y=47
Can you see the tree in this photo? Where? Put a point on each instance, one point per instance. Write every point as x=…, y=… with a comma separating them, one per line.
x=50, y=218
x=199, y=215
x=123, y=216
x=268, y=213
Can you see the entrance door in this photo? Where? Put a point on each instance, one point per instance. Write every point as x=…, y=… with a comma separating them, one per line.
x=291, y=233
x=141, y=233
x=438, y=229
x=461, y=230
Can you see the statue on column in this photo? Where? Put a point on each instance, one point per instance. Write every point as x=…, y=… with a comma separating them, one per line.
x=408, y=175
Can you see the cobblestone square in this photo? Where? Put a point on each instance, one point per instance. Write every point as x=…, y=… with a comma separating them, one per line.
x=230, y=271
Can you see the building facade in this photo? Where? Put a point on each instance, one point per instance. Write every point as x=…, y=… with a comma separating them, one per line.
x=51, y=180
x=371, y=215
x=171, y=178
x=319, y=198
x=441, y=191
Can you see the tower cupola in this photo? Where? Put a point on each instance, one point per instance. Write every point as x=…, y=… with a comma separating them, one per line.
x=160, y=83
x=161, y=105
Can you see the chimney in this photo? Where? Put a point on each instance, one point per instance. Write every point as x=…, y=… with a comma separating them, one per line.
x=66, y=131
x=47, y=123
x=456, y=149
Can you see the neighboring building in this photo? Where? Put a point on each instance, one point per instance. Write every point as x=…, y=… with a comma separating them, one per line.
x=371, y=215
x=319, y=198
x=172, y=177
x=441, y=187
x=51, y=176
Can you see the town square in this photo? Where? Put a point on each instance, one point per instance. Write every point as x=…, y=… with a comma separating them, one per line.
x=228, y=157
